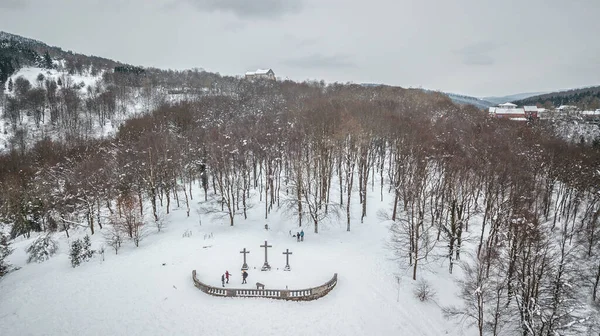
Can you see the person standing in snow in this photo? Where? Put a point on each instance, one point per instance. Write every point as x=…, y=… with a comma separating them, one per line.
x=297, y=236
x=302, y=235
x=244, y=276
x=227, y=276
x=223, y=280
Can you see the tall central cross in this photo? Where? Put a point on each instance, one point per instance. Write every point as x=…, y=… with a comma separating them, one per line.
x=287, y=259
x=244, y=266
x=266, y=266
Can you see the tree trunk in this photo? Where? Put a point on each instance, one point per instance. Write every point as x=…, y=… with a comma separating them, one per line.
x=98, y=213
x=596, y=283
x=416, y=251
x=187, y=202
x=141, y=204
x=395, y=208
x=168, y=195
x=90, y=218
x=153, y=202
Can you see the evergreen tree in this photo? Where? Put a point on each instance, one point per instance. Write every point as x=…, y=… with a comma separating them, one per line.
x=59, y=82
x=75, y=253
x=87, y=252
x=81, y=251
x=10, y=85
x=5, y=251
x=42, y=249
x=47, y=61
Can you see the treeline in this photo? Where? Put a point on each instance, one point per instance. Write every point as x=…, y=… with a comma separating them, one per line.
x=17, y=51
x=310, y=149
x=585, y=99
x=21, y=51
x=13, y=55
x=66, y=110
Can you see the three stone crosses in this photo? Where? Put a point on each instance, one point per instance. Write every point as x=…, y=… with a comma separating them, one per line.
x=266, y=266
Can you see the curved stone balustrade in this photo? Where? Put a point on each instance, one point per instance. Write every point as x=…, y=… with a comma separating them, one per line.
x=281, y=294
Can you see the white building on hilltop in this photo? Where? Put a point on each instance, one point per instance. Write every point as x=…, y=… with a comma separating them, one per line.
x=261, y=74
x=507, y=106
x=512, y=112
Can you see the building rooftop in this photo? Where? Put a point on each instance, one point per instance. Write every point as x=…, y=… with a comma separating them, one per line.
x=258, y=72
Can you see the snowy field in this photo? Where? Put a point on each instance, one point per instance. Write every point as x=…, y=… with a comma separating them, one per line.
x=133, y=293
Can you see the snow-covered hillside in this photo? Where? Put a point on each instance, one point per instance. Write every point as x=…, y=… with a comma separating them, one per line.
x=31, y=131
x=88, y=87
x=149, y=290
x=576, y=131
x=32, y=73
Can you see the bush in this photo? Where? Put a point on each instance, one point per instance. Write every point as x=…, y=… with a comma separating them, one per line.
x=5, y=251
x=87, y=248
x=81, y=251
x=113, y=236
x=423, y=291
x=42, y=249
x=75, y=253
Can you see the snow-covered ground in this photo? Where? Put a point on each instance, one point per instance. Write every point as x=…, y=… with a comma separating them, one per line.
x=32, y=73
x=574, y=131
x=34, y=133
x=149, y=290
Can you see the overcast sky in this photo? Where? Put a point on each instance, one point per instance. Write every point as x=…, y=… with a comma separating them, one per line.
x=474, y=47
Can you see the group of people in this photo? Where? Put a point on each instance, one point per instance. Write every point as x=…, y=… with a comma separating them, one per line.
x=299, y=235
x=225, y=277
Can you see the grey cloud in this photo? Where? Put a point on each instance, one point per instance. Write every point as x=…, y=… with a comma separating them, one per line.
x=260, y=9
x=321, y=61
x=13, y=4
x=299, y=42
x=478, y=53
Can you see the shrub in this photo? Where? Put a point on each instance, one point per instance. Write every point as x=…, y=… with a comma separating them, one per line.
x=81, y=251
x=423, y=291
x=5, y=251
x=42, y=249
x=75, y=253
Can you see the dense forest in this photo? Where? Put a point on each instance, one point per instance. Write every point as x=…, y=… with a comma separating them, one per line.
x=585, y=99
x=309, y=148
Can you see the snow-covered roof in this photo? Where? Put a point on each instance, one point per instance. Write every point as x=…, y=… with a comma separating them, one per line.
x=530, y=108
x=591, y=113
x=258, y=72
x=507, y=105
x=567, y=107
x=518, y=119
x=509, y=111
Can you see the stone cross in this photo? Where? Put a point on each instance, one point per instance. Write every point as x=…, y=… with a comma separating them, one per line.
x=266, y=266
x=287, y=259
x=244, y=266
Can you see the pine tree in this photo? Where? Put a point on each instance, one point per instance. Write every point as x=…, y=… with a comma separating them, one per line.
x=87, y=252
x=42, y=249
x=10, y=85
x=81, y=251
x=5, y=251
x=47, y=61
x=75, y=253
